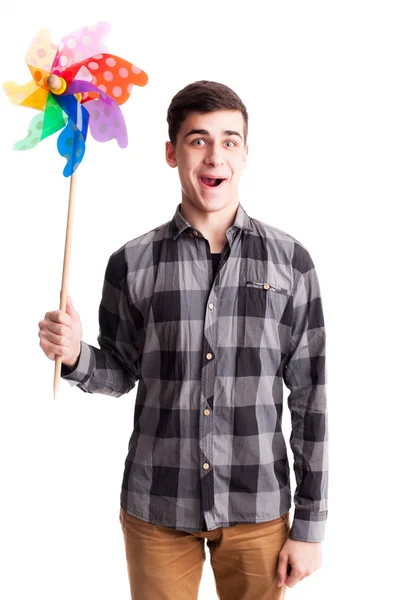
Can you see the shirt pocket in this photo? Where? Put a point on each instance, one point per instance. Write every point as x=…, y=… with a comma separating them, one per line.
x=265, y=300
x=264, y=285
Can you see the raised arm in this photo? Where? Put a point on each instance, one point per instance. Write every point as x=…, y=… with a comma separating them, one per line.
x=112, y=369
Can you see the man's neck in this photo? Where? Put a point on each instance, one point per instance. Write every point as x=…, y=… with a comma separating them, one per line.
x=213, y=225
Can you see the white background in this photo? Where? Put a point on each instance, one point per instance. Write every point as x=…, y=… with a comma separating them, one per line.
x=321, y=84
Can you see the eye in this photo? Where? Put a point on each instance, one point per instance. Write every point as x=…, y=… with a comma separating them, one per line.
x=231, y=142
x=198, y=140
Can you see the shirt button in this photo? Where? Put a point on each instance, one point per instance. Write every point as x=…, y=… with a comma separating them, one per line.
x=206, y=412
x=195, y=233
x=190, y=234
x=209, y=356
x=206, y=466
x=211, y=306
x=266, y=286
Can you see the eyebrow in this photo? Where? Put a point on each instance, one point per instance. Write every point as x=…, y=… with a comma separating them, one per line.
x=205, y=132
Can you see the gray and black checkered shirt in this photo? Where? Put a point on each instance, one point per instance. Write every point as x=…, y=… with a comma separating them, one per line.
x=211, y=355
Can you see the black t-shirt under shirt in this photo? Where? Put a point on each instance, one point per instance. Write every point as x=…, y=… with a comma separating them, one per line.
x=216, y=257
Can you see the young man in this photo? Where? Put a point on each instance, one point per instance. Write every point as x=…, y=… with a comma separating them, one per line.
x=211, y=312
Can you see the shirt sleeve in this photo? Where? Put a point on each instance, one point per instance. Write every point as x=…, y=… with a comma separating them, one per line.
x=113, y=368
x=305, y=376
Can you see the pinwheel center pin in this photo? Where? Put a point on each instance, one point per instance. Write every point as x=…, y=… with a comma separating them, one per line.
x=57, y=85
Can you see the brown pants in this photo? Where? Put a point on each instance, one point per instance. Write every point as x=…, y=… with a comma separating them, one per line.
x=166, y=564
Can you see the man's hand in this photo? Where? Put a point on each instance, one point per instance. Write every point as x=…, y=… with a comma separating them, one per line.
x=60, y=333
x=303, y=557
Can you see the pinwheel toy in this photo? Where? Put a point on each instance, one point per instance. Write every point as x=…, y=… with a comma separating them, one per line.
x=76, y=87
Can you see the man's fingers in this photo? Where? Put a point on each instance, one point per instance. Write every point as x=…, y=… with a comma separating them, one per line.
x=282, y=569
x=70, y=308
x=295, y=576
x=51, y=349
x=57, y=338
x=56, y=328
x=58, y=316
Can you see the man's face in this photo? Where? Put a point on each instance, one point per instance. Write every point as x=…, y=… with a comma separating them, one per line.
x=209, y=146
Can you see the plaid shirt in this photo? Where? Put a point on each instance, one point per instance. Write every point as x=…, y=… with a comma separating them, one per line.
x=210, y=356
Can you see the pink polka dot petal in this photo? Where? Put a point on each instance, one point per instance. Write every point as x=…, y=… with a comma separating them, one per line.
x=111, y=62
x=136, y=69
x=93, y=65
x=130, y=88
x=98, y=56
x=117, y=91
x=123, y=72
x=102, y=88
x=108, y=76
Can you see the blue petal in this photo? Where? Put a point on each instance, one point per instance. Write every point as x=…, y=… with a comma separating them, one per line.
x=71, y=145
x=71, y=141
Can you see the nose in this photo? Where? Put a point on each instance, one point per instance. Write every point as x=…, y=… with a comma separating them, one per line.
x=214, y=156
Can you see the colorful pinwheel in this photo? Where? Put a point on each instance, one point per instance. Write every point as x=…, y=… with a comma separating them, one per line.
x=75, y=86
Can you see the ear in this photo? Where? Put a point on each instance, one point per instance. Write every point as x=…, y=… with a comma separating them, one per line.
x=170, y=155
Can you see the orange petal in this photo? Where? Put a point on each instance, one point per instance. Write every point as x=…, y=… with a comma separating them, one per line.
x=112, y=74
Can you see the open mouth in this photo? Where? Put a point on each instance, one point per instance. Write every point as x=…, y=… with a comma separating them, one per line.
x=211, y=182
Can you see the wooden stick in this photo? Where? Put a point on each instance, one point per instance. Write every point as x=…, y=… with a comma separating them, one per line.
x=64, y=285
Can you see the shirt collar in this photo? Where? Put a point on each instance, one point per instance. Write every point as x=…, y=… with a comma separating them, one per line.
x=179, y=224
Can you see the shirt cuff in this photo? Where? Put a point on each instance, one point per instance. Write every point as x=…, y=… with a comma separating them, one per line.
x=82, y=370
x=308, y=525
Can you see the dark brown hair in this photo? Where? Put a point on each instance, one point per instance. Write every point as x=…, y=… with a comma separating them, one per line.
x=203, y=97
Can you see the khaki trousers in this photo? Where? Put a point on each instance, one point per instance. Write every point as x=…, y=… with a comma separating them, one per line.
x=166, y=564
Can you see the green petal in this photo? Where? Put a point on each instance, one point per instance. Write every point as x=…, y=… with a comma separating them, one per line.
x=34, y=134
x=43, y=125
x=54, y=117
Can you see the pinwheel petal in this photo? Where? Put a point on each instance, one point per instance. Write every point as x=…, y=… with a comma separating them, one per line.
x=28, y=94
x=113, y=75
x=71, y=145
x=34, y=134
x=84, y=74
x=40, y=55
x=71, y=141
x=107, y=121
x=75, y=111
x=79, y=45
x=43, y=125
x=54, y=117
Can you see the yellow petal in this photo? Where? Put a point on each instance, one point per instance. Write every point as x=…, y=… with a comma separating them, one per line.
x=28, y=94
